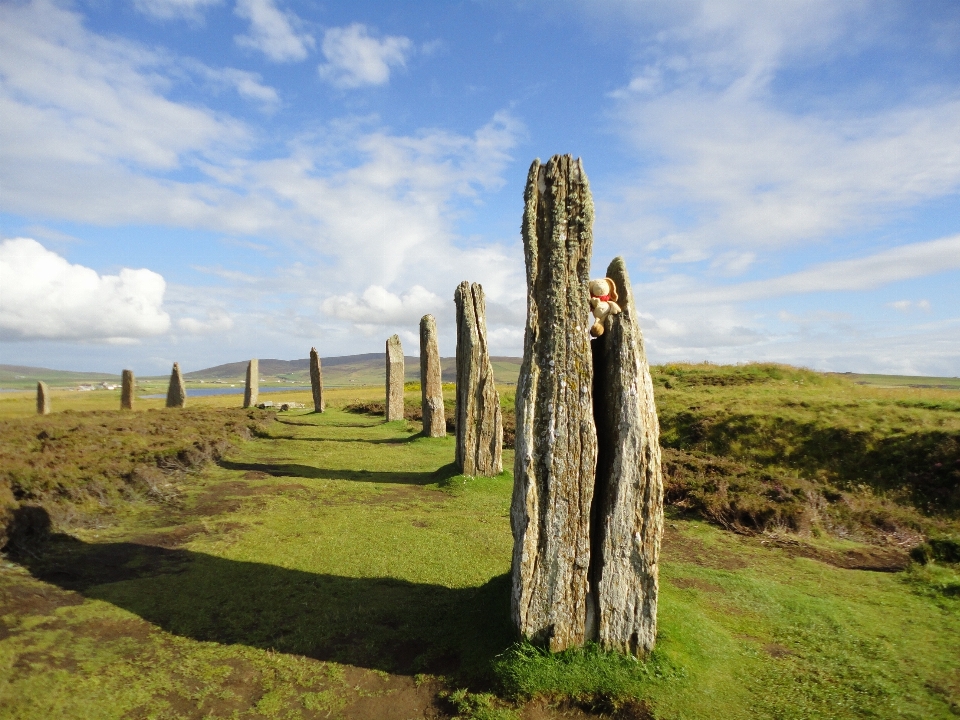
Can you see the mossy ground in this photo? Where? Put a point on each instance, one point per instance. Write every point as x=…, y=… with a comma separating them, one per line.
x=335, y=566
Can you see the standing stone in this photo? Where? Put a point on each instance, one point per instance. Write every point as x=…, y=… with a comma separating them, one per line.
x=251, y=391
x=126, y=390
x=394, y=409
x=177, y=392
x=627, y=519
x=316, y=381
x=431, y=387
x=556, y=441
x=479, y=422
x=43, y=398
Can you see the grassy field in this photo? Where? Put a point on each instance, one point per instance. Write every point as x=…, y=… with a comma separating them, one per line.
x=304, y=565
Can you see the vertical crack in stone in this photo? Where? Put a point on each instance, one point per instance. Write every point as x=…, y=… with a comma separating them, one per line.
x=394, y=405
x=431, y=385
x=316, y=381
x=251, y=390
x=556, y=443
x=628, y=497
x=479, y=447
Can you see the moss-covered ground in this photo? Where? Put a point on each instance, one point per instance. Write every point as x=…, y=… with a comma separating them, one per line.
x=336, y=566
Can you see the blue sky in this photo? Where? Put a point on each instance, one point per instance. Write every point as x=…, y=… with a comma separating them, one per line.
x=211, y=180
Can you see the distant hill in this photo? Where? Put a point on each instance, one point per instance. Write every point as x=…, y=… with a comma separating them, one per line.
x=347, y=370
x=356, y=370
x=25, y=377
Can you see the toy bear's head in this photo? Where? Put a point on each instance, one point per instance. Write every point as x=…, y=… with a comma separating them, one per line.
x=605, y=289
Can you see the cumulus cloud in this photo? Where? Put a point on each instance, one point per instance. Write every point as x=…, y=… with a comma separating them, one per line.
x=355, y=59
x=45, y=297
x=272, y=31
x=377, y=306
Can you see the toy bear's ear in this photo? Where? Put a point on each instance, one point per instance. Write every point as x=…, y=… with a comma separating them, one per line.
x=613, y=290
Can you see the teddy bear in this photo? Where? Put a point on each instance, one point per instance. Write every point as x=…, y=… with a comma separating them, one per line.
x=603, y=302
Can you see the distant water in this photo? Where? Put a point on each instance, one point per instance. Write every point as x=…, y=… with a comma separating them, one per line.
x=201, y=392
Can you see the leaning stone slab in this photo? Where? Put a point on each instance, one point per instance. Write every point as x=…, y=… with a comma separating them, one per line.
x=251, y=391
x=43, y=398
x=177, y=391
x=431, y=387
x=479, y=421
x=556, y=440
x=394, y=408
x=128, y=387
x=627, y=521
x=316, y=381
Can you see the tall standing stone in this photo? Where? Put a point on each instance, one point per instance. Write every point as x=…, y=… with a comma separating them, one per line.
x=479, y=421
x=127, y=387
x=394, y=408
x=43, y=398
x=431, y=386
x=177, y=391
x=627, y=520
x=556, y=441
x=251, y=391
x=316, y=381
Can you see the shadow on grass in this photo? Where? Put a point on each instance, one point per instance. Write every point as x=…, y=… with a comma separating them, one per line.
x=374, y=476
x=376, y=623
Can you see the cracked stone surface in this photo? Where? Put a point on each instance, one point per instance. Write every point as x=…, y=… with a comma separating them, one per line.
x=251, y=390
x=556, y=441
x=479, y=420
x=431, y=387
x=394, y=405
x=627, y=517
x=316, y=381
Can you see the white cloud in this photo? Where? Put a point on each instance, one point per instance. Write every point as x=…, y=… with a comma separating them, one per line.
x=733, y=162
x=44, y=296
x=896, y=264
x=167, y=9
x=377, y=306
x=70, y=98
x=272, y=31
x=355, y=59
x=247, y=84
x=906, y=306
x=215, y=322
x=93, y=138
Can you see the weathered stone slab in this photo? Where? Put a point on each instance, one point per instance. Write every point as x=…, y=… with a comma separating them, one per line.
x=177, y=391
x=627, y=518
x=556, y=442
x=431, y=387
x=479, y=420
x=251, y=391
x=394, y=407
x=127, y=390
x=316, y=381
x=43, y=398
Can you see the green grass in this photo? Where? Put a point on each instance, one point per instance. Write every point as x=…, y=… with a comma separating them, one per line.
x=335, y=565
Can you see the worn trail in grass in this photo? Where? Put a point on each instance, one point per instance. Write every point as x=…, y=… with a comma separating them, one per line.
x=337, y=567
